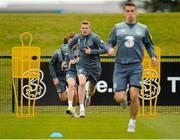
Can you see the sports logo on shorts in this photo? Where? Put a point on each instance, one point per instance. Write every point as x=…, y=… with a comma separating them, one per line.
x=41, y=88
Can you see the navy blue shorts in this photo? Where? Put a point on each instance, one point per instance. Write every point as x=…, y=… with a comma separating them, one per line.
x=71, y=74
x=92, y=76
x=61, y=87
x=125, y=74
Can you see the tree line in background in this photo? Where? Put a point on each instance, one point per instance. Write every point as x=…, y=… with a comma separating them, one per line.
x=160, y=5
x=163, y=5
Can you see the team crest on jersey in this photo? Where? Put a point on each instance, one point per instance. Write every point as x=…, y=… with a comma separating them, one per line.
x=120, y=31
x=138, y=31
x=89, y=43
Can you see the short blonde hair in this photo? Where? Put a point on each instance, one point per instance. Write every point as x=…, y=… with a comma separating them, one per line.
x=85, y=22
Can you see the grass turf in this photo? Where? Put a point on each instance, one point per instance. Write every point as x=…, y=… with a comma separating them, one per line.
x=93, y=126
x=48, y=30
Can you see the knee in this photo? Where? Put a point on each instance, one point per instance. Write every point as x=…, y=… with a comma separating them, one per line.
x=119, y=97
x=134, y=97
x=134, y=92
x=71, y=85
x=82, y=84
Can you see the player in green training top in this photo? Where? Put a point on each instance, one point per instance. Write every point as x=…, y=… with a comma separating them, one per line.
x=88, y=68
x=130, y=37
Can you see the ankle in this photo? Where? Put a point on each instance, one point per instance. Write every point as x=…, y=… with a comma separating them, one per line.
x=132, y=121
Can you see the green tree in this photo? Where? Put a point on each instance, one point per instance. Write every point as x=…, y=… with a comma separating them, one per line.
x=163, y=5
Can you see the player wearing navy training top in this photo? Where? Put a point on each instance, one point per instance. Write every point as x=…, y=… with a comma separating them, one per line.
x=88, y=68
x=130, y=37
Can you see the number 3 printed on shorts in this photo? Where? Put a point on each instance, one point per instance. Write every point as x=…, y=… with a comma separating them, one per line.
x=129, y=43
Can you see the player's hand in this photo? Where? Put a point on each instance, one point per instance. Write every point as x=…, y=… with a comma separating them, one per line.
x=72, y=61
x=87, y=50
x=56, y=81
x=76, y=60
x=154, y=61
x=111, y=52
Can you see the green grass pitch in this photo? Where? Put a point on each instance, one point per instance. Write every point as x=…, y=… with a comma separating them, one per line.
x=48, y=30
x=93, y=126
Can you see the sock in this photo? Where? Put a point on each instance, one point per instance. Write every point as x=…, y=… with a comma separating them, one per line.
x=82, y=107
x=70, y=103
x=131, y=121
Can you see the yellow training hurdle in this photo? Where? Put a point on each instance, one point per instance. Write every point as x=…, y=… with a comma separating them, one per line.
x=150, y=84
x=25, y=66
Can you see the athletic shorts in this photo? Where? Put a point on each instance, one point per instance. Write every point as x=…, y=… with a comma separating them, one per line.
x=92, y=76
x=61, y=87
x=125, y=74
x=71, y=74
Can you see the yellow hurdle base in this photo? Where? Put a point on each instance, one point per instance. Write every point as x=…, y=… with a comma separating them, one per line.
x=25, y=115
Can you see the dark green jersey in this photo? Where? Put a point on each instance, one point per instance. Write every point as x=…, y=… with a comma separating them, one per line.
x=130, y=40
x=96, y=45
x=66, y=56
x=55, y=64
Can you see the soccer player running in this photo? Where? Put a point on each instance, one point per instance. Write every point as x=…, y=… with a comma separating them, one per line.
x=89, y=68
x=71, y=74
x=130, y=37
x=59, y=73
x=59, y=77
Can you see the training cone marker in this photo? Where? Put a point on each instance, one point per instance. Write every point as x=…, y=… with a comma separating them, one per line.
x=56, y=135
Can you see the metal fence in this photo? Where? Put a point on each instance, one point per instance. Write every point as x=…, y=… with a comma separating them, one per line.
x=6, y=102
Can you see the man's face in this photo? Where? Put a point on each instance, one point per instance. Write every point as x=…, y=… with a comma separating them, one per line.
x=85, y=29
x=130, y=14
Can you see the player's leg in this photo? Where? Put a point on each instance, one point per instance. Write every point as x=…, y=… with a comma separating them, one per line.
x=81, y=93
x=134, y=106
x=71, y=77
x=89, y=92
x=120, y=97
x=71, y=85
x=91, y=86
x=61, y=90
x=63, y=96
x=135, y=85
x=120, y=86
x=134, y=91
x=75, y=98
x=75, y=103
